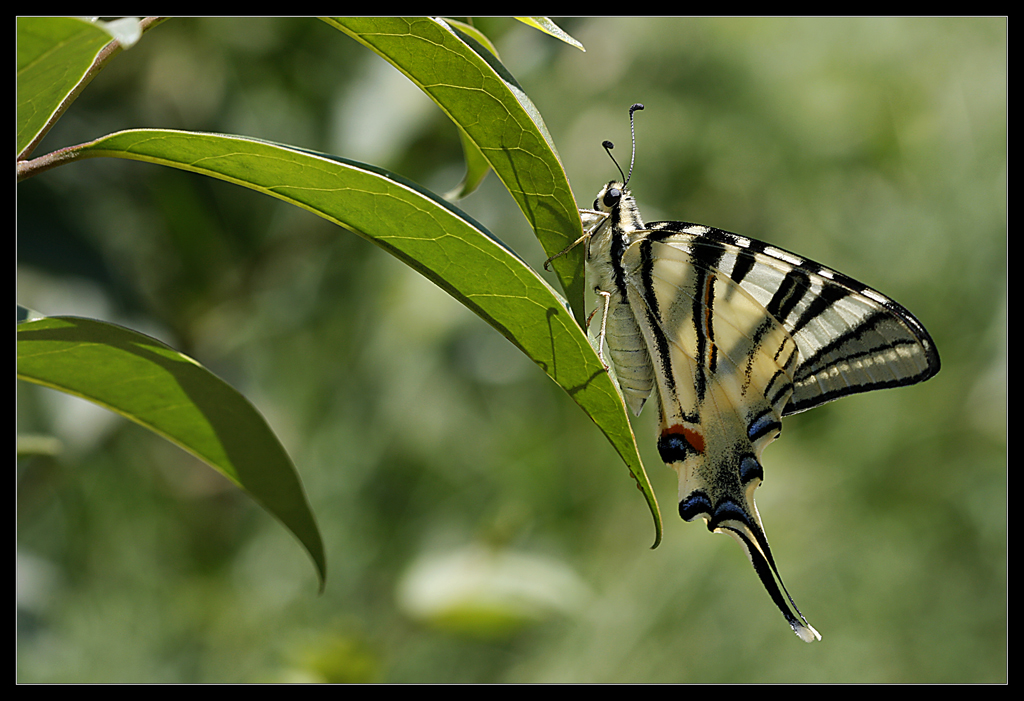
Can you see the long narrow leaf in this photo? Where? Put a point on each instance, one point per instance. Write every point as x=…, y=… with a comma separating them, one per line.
x=426, y=232
x=54, y=56
x=171, y=394
x=545, y=25
x=480, y=95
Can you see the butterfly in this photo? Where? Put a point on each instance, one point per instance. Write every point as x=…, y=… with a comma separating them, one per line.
x=731, y=334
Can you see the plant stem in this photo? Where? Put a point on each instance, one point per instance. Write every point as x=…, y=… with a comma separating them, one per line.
x=26, y=169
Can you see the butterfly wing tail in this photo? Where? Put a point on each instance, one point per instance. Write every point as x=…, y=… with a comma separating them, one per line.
x=753, y=540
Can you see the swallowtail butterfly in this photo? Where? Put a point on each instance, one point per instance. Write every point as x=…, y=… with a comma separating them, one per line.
x=732, y=334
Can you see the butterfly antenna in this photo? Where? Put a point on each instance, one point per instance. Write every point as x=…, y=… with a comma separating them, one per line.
x=608, y=146
x=632, y=135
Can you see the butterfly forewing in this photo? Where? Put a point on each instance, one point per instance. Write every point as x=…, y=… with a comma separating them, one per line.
x=851, y=338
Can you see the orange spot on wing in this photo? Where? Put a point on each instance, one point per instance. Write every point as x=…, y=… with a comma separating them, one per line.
x=694, y=439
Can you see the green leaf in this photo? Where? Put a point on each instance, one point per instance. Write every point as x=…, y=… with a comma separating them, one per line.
x=548, y=27
x=54, y=56
x=171, y=394
x=477, y=169
x=479, y=94
x=426, y=232
x=475, y=34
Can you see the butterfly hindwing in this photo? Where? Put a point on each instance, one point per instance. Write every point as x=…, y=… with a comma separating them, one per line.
x=723, y=370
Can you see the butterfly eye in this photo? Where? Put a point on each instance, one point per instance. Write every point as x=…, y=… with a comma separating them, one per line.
x=612, y=197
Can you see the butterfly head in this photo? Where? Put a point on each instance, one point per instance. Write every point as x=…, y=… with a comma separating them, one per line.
x=611, y=196
x=616, y=200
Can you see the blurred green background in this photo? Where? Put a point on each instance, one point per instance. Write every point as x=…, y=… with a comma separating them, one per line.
x=478, y=527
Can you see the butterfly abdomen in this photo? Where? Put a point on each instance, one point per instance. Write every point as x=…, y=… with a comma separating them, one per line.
x=629, y=356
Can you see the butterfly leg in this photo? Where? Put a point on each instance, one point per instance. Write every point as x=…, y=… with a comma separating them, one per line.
x=565, y=250
x=604, y=324
x=592, y=221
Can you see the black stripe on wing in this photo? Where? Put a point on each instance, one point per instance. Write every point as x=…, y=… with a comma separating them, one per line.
x=652, y=320
x=851, y=338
